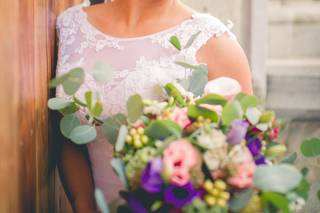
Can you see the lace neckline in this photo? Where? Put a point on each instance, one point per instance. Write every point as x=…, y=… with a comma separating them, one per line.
x=148, y=36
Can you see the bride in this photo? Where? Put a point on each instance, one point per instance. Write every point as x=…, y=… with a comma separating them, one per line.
x=133, y=37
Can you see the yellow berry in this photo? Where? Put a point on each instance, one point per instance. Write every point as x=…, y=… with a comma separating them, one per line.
x=137, y=144
x=225, y=195
x=200, y=118
x=208, y=185
x=220, y=185
x=215, y=192
x=210, y=200
x=133, y=131
x=144, y=139
x=140, y=130
x=221, y=202
x=129, y=139
x=208, y=121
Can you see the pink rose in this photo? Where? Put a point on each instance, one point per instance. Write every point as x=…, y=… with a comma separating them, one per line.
x=180, y=116
x=224, y=86
x=179, y=158
x=245, y=168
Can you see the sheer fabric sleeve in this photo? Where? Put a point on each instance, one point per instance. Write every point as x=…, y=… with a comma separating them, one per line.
x=69, y=41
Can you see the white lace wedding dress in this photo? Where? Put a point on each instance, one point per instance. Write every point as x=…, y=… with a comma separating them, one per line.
x=140, y=63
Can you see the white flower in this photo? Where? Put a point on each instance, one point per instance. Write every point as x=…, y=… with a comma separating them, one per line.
x=155, y=109
x=214, y=158
x=224, y=86
x=215, y=142
x=214, y=139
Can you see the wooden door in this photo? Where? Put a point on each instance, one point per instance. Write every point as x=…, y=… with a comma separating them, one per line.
x=27, y=60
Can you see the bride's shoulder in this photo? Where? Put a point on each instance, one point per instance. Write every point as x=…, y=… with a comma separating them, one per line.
x=213, y=25
x=70, y=16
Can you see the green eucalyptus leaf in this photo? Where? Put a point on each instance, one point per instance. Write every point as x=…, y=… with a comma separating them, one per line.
x=111, y=127
x=67, y=124
x=58, y=80
x=276, y=150
x=311, y=147
x=191, y=40
x=186, y=65
x=240, y=96
x=174, y=40
x=277, y=200
x=83, y=134
x=75, y=79
x=253, y=115
x=89, y=99
x=102, y=72
x=240, y=200
x=212, y=99
x=97, y=109
x=72, y=108
x=175, y=93
x=79, y=102
x=231, y=112
x=118, y=166
x=279, y=178
x=58, y=103
x=248, y=102
x=291, y=159
x=156, y=205
x=134, y=107
x=101, y=201
x=195, y=111
x=305, y=171
x=123, y=132
x=267, y=117
x=303, y=189
x=198, y=80
x=318, y=195
x=162, y=129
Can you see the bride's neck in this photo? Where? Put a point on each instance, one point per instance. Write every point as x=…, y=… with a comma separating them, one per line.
x=133, y=12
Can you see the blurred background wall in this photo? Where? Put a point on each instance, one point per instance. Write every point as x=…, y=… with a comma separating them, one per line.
x=282, y=41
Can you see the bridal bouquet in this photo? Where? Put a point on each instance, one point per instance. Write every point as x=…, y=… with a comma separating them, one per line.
x=204, y=147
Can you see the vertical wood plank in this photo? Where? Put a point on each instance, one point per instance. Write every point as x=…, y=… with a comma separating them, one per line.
x=26, y=64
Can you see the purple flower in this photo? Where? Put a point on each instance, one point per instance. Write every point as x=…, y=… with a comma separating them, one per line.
x=261, y=160
x=179, y=196
x=238, y=132
x=135, y=204
x=151, y=180
x=254, y=145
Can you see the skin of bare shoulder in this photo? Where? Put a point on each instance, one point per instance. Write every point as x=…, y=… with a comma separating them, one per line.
x=225, y=57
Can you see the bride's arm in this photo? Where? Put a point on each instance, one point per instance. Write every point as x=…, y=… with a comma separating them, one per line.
x=76, y=176
x=225, y=57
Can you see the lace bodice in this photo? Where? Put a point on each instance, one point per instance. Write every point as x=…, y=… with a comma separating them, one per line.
x=140, y=64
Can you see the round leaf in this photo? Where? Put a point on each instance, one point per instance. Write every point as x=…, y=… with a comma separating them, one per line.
x=231, y=112
x=74, y=81
x=195, y=111
x=311, y=147
x=67, y=124
x=248, y=101
x=111, y=127
x=101, y=201
x=280, y=178
x=253, y=115
x=58, y=103
x=118, y=166
x=102, y=72
x=83, y=134
x=162, y=129
x=212, y=99
x=123, y=132
x=134, y=107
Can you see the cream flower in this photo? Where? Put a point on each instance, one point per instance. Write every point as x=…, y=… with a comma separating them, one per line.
x=224, y=86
